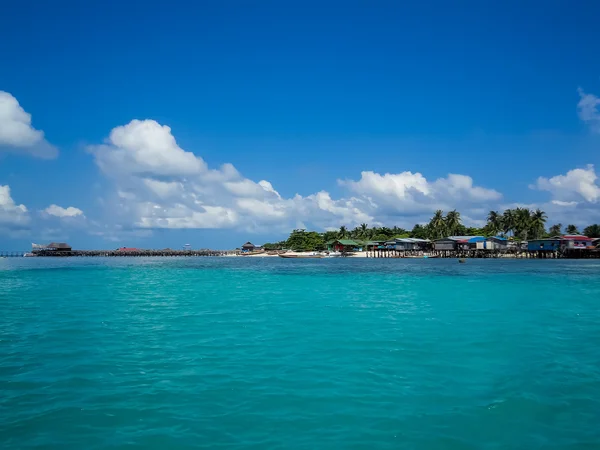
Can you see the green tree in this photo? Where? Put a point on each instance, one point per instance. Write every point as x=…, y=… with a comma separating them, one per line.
x=399, y=231
x=387, y=232
x=343, y=233
x=494, y=223
x=365, y=232
x=274, y=245
x=592, y=231
x=453, y=222
x=521, y=223
x=437, y=225
x=555, y=230
x=419, y=232
x=305, y=241
x=330, y=236
x=572, y=229
x=508, y=222
x=537, y=225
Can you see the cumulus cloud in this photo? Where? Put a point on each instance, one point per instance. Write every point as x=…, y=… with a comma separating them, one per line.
x=587, y=108
x=12, y=215
x=16, y=132
x=59, y=211
x=574, y=186
x=160, y=185
x=144, y=146
x=412, y=193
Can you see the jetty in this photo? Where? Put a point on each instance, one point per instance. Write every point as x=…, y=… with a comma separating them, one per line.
x=509, y=253
x=62, y=249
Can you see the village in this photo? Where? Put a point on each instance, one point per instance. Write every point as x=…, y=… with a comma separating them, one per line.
x=562, y=246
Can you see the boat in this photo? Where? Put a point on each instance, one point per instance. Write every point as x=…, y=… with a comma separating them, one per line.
x=301, y=255
x=422, y=256
x=333, y=255
x=27, y=255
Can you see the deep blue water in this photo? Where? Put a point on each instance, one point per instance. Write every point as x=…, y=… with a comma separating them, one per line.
x=299, y=354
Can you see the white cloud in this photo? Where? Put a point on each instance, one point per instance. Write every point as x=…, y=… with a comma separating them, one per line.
x=12, y=215
x=412, y=193
x=587, y=108
x=160, y=185
x=145, y=147
x=16, y=132
x=59, y=211
x=575, y=185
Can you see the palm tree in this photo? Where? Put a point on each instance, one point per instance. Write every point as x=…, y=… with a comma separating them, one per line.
x=364, y=231
x=538, y=224
x=437, y=225
x=386, y=231
x=343, y=233
x=522, y=222
x=572, y=229
x=494, y=222
x=508, y=221
x=555, y=230
x=592, y=231
x=453, y=222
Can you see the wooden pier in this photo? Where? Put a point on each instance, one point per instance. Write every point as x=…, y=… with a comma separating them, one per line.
x=134, y=253
x=480, y=253
x=11, y=254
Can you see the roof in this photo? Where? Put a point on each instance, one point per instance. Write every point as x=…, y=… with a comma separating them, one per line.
x=458, y=238
x=248, y=244
x=58, y=245
x=373, y=242
x=543, y=239
x=413, y=240
x=576, y=237
x=477, y=239
x=347, y=242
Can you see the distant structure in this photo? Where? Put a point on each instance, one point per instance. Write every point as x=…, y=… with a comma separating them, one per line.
x=248, y=247
x=187, y=247
x=52, y=248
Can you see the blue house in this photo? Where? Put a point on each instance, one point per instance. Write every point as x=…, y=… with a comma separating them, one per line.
x=544, y=245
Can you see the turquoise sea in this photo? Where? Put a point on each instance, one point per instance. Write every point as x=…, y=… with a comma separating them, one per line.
x=238, y=353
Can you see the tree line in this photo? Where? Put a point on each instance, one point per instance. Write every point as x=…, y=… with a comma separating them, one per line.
x=518, y=223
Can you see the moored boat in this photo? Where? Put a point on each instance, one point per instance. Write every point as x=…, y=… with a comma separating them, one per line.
x=301, y=255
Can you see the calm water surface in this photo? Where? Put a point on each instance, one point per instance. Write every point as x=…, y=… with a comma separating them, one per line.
x=298, y=354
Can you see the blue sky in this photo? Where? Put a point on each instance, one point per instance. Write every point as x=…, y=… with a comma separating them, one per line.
x=349, y=112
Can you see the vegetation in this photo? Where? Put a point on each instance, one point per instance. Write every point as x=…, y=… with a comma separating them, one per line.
x=592, y=231
x=518, y=223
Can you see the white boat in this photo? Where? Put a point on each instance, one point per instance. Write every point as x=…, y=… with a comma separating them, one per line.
x=301, y=255
x=333, y=255
x=27, y=255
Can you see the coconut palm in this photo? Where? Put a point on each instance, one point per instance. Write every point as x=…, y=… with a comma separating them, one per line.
x=522, y=222
x=572, y=229
x=437, y=224
x=343, y=233
x=555, y=230
x=537, y=224
x=508, y=221
x=592, y=231
x=494, y=222
x=364, y=231
x=453, y=223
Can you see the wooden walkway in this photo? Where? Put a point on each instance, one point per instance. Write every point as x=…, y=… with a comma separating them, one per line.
x=518, y=254
x=136, y=253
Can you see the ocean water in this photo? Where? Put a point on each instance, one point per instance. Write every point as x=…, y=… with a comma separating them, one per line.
x=238, y=353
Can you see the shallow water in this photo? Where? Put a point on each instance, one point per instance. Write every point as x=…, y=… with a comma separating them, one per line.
x=299, y=354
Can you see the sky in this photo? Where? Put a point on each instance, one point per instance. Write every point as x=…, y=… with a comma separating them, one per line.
x=153, y=125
